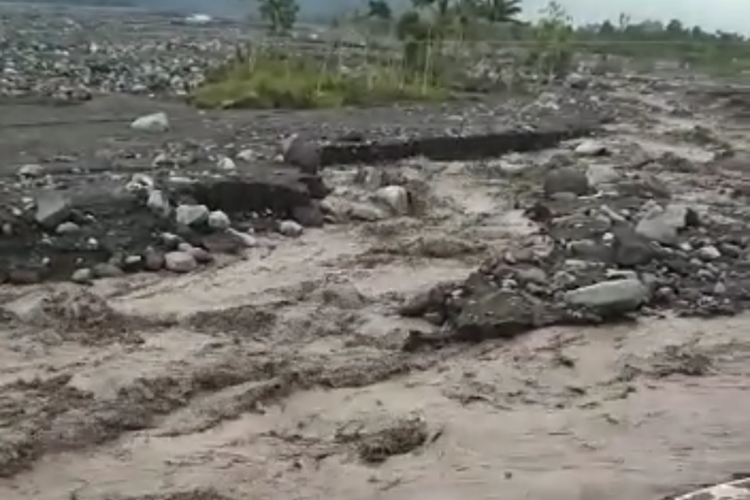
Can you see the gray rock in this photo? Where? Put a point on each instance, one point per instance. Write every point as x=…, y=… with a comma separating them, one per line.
x=201, y=256
x=610, y=297
x=497, y=314
x=630, y=248
x=566, y=180
x=153, y=260
x=180, y=262
x=309, y=215
x=301, y=153
x=291, y=228
x=52, y=209
x=365, y=212
x=83, y=276
x=244, y=240
x=107, y=270
x=600, y=175
x=218, y=220
x=657, y=229
x=68, y=228
x=191, y=215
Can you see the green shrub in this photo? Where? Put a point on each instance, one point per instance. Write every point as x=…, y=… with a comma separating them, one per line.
x=275, y=81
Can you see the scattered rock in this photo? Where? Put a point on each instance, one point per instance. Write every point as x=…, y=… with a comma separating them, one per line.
x=291, y=228
x=610, y=298
x=180, y=262
x=591, y=148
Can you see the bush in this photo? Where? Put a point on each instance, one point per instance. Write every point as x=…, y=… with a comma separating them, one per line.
x=280, y=81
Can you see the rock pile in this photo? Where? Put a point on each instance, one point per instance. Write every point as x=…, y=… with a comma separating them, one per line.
x=603, y=252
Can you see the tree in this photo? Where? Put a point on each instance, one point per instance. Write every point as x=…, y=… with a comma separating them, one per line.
x=281, y=15
x=379, y=9
x=499, y=11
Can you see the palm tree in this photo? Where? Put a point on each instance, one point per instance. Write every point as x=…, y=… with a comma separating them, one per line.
x=499, y=11
x=379, y=9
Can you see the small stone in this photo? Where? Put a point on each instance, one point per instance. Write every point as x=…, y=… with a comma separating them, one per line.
x=180, y=262
x=657, y=229
x=566, y=180
x=600, y=175
x=720, y=288
x=218, y=220
x=133, y=263
x=246, y=155
x=301, y=153
x=191, y=215
x=226, y=163
x=201, y=255
x=158, y=203
x=291, y=228
x=31, y=171
x=82, y=276
x=396, y=198
x=709, y=253
x=52, y=209
x=156, y=122
x=309, y=215
x=367, y=213
x=107, y=270
x=610, y=297
x=68, y=228
x=153, y=260
x=590, y=148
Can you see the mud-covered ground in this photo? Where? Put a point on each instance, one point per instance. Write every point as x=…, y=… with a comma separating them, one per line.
x=282, y=373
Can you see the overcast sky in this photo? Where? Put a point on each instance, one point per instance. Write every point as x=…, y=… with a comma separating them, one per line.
x=728, y=15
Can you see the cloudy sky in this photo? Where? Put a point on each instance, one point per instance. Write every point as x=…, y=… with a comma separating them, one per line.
x=729, y=15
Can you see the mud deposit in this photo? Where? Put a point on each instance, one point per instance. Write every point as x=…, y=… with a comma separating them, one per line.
x=351, y=360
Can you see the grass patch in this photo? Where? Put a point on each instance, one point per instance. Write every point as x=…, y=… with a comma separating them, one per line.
x=271, y=81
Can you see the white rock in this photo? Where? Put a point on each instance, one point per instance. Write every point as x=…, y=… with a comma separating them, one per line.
x=161, y=160
x=68, y=228
x=218, y=220
x=140, y=183
x=156, y=122
x=226, y=163
x=158, y=203
x=248, y=240
x=190, y=215
x=246, y=155
x=82, y=276
x=709, y=253
x=396, y=198
x=291, y=228
x=590, y=148
x=180, y=262
x=31, y=171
